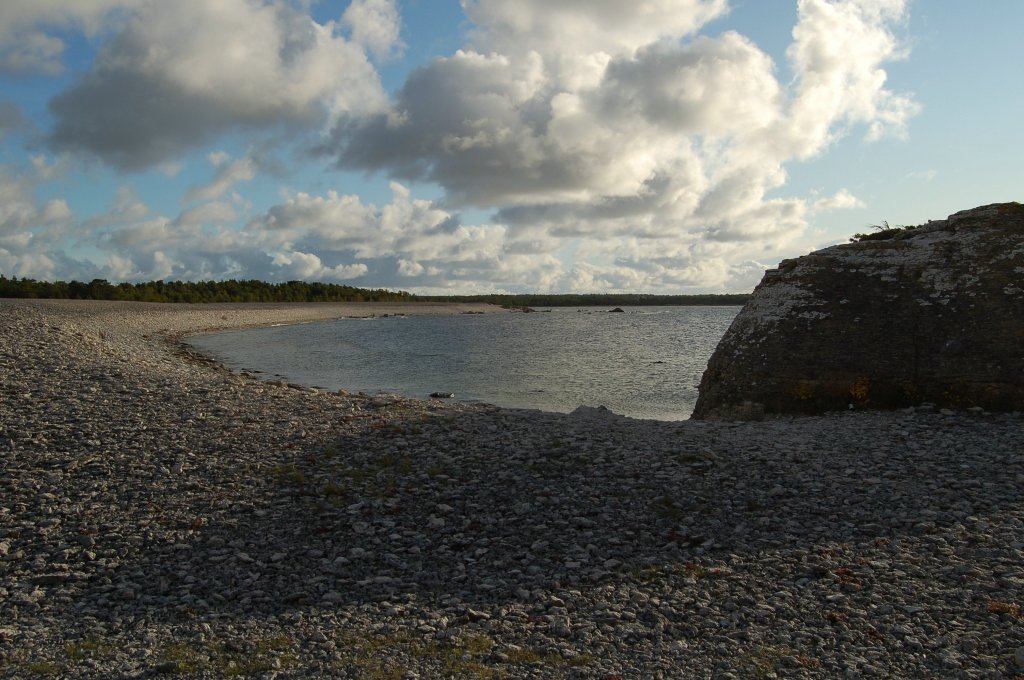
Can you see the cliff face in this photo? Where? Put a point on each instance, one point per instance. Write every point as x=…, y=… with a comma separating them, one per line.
x=932, y=314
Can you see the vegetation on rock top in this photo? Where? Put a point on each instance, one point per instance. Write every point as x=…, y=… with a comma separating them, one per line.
x=882, y=232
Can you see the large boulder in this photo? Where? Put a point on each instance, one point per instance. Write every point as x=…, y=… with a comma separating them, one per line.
x=904, y=316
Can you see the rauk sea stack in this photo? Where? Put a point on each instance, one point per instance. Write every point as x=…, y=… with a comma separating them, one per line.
x=903, y=316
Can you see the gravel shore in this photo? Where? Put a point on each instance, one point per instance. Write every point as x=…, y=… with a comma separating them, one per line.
x=162, y=516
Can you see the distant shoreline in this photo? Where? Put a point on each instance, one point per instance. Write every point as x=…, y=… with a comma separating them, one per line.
x=217, y=292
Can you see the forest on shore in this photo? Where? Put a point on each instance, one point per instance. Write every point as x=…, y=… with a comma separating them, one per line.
x=302, y=291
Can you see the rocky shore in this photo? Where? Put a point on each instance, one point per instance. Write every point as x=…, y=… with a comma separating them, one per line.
x=162, y=516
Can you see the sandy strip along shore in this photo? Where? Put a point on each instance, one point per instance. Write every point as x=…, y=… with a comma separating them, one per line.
x=166, y=516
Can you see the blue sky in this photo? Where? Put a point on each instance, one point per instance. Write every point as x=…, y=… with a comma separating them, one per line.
x=677, y=146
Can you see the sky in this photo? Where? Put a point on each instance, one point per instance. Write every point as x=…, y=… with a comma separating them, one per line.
x=446, y=147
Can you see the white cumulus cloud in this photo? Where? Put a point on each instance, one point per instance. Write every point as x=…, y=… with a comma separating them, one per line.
x=180, y=73
x=608, y=120
x=30, y=39
x=376, y=25
x=228, y=174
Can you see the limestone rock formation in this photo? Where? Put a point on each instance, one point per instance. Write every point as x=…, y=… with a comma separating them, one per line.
x=929, y=314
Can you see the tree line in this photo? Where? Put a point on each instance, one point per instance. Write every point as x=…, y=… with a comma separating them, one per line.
x=300, y=291
x=196, y=291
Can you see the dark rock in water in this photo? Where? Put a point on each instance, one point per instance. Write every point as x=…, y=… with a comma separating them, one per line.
x=617, y=309
x=442, y=395
x=928, y=314
x=589, y=413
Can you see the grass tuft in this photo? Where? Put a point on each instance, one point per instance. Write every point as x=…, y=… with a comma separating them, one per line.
x=666, y=507
x=289, y=473
x=380, y=657
x=230, y=660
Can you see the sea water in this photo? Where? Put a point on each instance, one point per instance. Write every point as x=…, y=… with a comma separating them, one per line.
x=645, y=362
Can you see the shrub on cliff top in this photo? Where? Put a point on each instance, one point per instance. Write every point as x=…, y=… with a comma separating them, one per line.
x=882, y=232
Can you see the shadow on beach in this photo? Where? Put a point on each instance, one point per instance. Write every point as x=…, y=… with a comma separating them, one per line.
x=482, y=510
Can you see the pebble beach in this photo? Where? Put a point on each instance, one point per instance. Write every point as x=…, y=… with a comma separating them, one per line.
x=162, y=516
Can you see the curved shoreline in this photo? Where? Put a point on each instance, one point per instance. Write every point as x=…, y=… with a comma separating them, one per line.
x=163, y=516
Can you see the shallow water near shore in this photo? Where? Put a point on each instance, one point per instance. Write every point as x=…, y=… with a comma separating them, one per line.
x=643, y=363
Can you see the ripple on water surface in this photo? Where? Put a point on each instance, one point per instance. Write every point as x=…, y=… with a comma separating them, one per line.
x=644, y=363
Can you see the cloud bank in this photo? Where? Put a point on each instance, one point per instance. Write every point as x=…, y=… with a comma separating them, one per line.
x=615, y=146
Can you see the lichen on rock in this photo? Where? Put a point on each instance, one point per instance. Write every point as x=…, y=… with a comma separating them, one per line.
x=929, y=314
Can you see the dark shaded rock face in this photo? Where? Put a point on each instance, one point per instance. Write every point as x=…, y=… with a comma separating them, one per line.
x=932, y=314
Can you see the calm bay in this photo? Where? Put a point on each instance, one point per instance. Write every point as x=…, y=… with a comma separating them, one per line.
x=645, y=362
